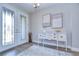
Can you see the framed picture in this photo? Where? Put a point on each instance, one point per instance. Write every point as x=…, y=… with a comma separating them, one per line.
x=46, y=20
x=57, y=20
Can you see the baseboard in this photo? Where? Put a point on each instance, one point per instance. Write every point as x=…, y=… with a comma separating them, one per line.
x=10, y=47
x=72, y=48
x=75, y=49
x=69, y=47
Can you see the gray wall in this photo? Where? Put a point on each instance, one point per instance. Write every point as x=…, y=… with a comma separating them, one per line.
x=17, y=27
x=70, y=22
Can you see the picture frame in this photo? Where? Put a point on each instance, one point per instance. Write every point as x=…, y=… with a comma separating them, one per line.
x=57, y=21
x=46, y=21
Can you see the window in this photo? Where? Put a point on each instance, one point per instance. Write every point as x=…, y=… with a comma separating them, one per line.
x=7, y=26
x=23, y=26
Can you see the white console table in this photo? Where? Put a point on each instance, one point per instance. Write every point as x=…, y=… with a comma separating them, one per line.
x=56, y=36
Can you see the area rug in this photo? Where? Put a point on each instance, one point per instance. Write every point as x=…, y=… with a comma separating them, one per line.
x=36, y=50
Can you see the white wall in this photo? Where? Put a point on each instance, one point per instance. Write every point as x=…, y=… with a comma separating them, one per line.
x=17, y=26
x=75, y=28
x=70, y=22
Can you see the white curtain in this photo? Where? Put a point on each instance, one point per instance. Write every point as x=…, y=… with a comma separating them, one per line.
x=8, y=27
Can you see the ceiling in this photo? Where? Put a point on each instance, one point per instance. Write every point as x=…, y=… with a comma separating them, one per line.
x=29, y=6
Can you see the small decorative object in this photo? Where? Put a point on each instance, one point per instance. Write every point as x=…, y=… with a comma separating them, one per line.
x=46, y=20
x=62, y=37
x=57, y=21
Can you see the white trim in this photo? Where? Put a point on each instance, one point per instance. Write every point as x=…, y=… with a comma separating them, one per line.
x=75, y=49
